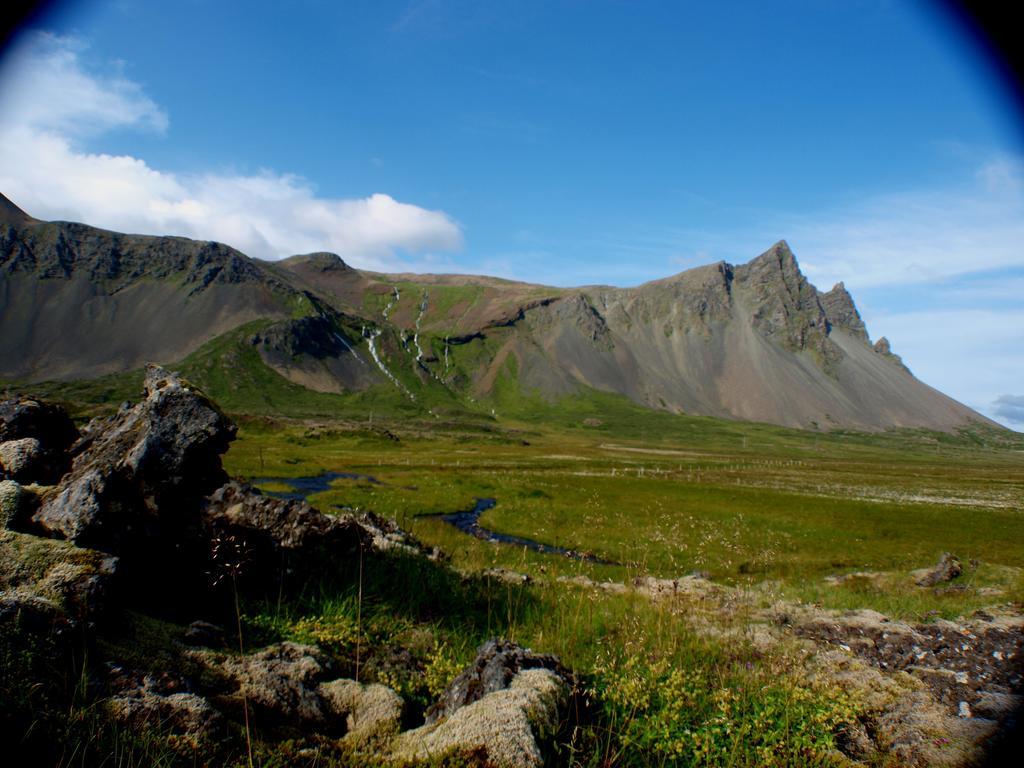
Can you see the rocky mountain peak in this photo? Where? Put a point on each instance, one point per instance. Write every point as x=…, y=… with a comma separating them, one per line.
x=841, y=312
x=778, y=259
x=785, y=306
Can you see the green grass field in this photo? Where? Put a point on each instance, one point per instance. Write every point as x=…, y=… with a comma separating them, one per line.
x=752, y=505
x=833, y=519
x=777, y=513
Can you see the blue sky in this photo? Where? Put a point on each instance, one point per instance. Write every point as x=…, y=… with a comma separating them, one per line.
x=559, y=142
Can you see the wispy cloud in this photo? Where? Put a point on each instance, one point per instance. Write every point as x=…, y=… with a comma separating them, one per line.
x=47, y=89
x=414, y=12
x=928, y=234
x=50, y=103
x=918, y=236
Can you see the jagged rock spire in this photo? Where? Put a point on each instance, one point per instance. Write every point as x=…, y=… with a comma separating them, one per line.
x=787, y=307
x=842, y=312
x=883, y=348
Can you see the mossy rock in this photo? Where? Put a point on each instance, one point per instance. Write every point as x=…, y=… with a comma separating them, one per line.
x=509, y=725
x=70, y=578
x=12, y=502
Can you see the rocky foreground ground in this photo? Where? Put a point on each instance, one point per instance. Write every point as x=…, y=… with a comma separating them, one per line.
x=135, y=513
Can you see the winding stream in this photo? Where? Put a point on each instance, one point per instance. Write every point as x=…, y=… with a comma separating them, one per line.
x=467, y=521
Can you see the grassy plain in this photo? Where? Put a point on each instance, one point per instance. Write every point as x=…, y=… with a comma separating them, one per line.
x=839, y=519
x=756, y=506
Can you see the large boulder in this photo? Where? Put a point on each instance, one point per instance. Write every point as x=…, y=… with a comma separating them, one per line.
x=260, y=538
x=22, y=460
x=143, y=471
x=46, y=422
x=12, y=503
x=285, y=525
x=98, y=507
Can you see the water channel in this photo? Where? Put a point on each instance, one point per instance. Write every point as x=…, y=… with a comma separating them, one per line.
x=467, y=521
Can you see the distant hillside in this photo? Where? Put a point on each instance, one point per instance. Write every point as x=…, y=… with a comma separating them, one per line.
x=755, y=341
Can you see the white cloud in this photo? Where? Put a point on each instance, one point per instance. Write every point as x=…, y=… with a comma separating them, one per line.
x=917, y=236
x=47, y=89
x=49, y=103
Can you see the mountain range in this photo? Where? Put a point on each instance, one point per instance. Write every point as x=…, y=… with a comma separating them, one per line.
x=754, y=341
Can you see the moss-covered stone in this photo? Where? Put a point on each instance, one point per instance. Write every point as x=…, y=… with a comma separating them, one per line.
x=19, y=459
x=509, y=724
x=12, y=499
x=70, y=578
x=371, y=712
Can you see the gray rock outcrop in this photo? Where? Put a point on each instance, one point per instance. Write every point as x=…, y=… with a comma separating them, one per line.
x=12, y=503
x=22, y=460
x=73, y=580
x=947, y=569
x=506, y=705
x=787, y=307
x=147, y=706
x=283, y=525
x=132, y=472
x=48, y=423
x=884, y=348
x=841, y=312
x=272, y=531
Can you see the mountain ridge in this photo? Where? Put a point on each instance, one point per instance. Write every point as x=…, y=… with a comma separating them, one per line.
x=754, y=341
